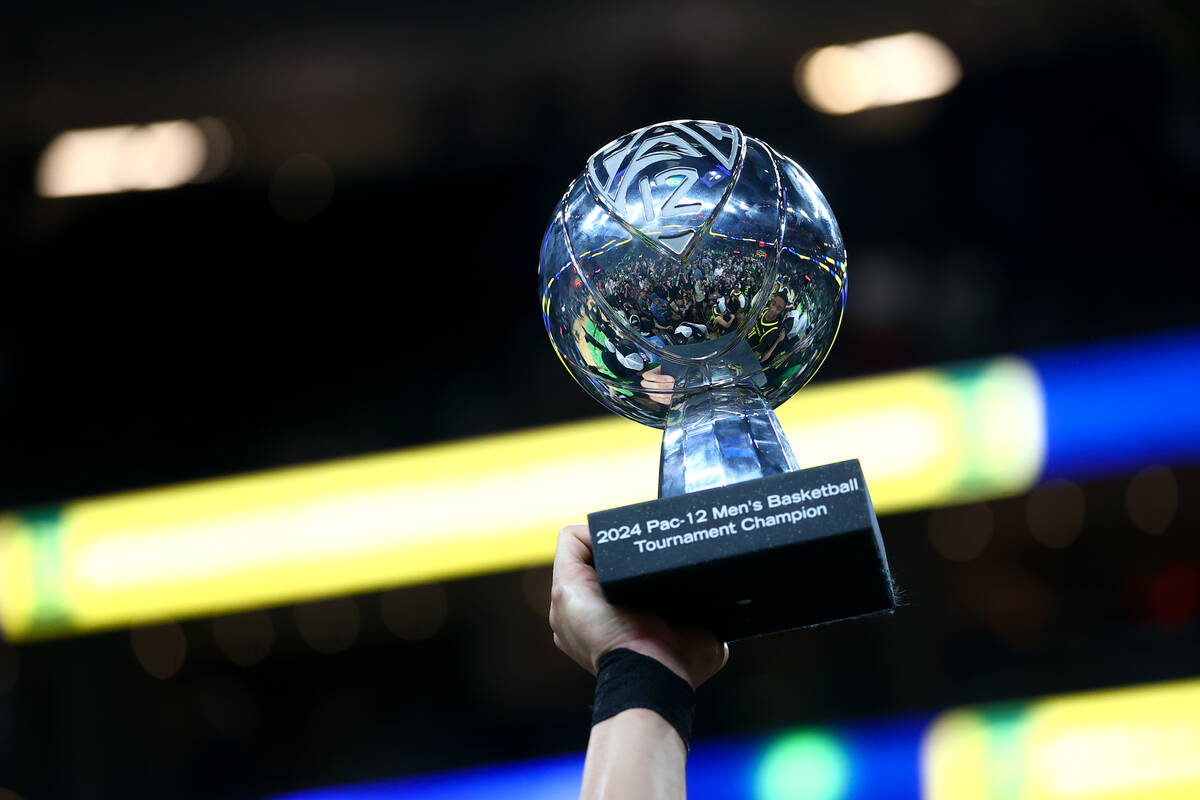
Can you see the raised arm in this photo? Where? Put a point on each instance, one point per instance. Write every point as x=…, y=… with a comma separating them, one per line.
x=647, y=671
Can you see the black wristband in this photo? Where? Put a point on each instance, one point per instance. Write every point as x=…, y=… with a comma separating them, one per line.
x=625, y=679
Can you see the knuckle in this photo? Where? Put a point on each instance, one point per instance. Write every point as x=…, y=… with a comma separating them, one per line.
x=574, y=529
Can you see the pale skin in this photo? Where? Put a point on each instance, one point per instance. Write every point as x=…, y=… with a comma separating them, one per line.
x=636, y=753
x=658, y=385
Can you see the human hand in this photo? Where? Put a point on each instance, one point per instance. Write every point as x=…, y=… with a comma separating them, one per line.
x=586, y=626
x=658, y=385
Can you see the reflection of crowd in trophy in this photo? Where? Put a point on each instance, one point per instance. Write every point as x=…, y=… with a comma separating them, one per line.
x=672, y=305
x=713, y=296
x=683, y=304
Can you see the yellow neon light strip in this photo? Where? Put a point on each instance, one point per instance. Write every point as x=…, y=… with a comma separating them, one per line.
x=1121, y=744
x=924, y=437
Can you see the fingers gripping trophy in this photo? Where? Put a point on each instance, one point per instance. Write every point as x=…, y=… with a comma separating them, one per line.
x=692, y=279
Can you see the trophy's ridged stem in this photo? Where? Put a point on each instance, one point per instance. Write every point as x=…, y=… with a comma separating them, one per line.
x=719, y=437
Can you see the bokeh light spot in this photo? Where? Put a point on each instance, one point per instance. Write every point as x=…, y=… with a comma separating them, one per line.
x=245, y=639
x=803, y=766
x=1174, y=595
x=328, y=626
x=122, y=158
x=160, y=649
x=843, y=79
x=961, y=533
x=1055, y=513
x=414, y=613
x=1152, y=499
x=535, y=585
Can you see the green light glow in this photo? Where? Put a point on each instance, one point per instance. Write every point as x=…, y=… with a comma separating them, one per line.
x=803, y=766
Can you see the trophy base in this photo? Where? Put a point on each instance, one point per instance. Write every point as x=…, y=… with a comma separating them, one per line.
x=761, y=556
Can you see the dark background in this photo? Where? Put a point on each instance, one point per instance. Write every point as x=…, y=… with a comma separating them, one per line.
x=153, y=337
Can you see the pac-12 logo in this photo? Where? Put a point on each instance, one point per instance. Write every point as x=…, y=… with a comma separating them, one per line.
x=667, y=180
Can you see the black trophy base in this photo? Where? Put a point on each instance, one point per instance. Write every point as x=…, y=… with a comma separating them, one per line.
x=788, y=551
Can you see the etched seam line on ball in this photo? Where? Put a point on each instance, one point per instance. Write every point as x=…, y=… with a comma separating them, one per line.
x=586, y=280
x=786, y=185
x=764, y=297
x=592, y=292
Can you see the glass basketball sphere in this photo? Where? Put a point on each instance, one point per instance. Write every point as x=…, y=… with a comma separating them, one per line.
x=691, y=250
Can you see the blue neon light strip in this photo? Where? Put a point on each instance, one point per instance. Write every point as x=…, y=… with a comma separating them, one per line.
x=1045, y=748
x=861, y=762
x=544, y=779
x=1117, y=407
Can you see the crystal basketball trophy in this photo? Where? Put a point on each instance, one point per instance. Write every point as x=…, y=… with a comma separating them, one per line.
x=692, y=279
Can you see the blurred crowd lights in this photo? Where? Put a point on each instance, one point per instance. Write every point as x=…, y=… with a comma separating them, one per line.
x=903, y=68
x=1109, y=745
x=129, y=158
x=535, y=586
x=246, y=638
x=1115, y=744
x=961, y=533
x=1152, y=499
x=1055, y=513
x=1173, y=595
x=414, y=613
x=329, y=626
x=804, y=764
x=160, y=649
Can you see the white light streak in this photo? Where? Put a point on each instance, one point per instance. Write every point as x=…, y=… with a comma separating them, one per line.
x=122, y=158
x=844, y=79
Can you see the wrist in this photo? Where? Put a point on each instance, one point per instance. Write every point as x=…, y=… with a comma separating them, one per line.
x=628, y=679
x=652, y=648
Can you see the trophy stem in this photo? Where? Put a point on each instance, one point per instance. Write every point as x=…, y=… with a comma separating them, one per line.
x=719, y=437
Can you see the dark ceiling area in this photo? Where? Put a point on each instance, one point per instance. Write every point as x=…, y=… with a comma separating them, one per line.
x=162, y=336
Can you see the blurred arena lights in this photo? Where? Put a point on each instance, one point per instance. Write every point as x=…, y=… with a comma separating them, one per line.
x=1116, y=744
x=328, y=626
x=1055, y=513
x=1152, y=499
x=961, y=533
x=1128, y=743
x=160, y=649
x=126, y=158
x=926, y=438
x=535, y=586
x=888, y=71
x=246, y=638
x=414, y=613
x=1173, y=596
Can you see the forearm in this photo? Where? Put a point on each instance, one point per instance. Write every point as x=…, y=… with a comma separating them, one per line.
x=634, y=754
